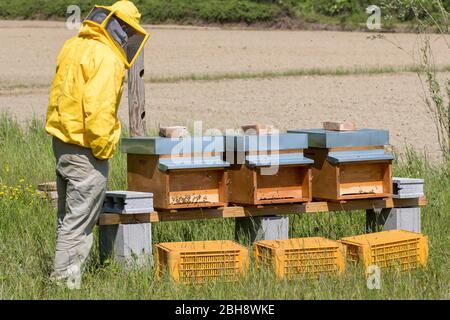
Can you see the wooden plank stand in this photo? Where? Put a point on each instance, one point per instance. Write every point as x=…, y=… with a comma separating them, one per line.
x=259, y=211
x=349, y=164
x=268, y=169
x=181, y=172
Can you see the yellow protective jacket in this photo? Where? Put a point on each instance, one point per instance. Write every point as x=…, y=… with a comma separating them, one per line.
x=87, y=89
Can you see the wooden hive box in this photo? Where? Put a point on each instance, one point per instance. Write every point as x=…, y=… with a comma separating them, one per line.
x=181, y=172
x=349, y=164
x=268, y=169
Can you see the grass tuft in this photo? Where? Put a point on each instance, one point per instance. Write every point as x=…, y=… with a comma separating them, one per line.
x=293, y=73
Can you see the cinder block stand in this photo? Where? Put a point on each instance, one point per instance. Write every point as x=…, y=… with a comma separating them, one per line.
x=393, y=219
x=407, y=218
x=261, y=228
x=128, y=244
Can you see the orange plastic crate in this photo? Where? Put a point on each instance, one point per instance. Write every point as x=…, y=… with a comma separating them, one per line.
x=387, y=249
x=309, y=257
x=197, y=261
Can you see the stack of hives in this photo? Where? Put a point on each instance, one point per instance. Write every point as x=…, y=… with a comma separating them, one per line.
x=268, y=167
x=349, y=164
x=337, y=163
x=181, y=172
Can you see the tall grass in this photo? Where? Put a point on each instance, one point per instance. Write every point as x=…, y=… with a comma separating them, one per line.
x=338, y=72
x=436, y=95
x=27, y=235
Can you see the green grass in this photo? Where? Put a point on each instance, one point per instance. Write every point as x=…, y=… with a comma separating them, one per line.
x=287, y=13
x=27, y=235
x=294, y=73
x=355, y=71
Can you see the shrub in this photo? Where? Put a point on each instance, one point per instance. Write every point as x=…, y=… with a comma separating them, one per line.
x=336, y=7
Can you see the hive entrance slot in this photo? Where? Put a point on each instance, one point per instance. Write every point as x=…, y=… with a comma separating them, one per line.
x=195, y=187
x=280, y=193
x=194, y=196
x=286, y=184
x=365, y=178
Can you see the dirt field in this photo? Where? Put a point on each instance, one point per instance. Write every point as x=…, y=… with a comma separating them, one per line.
x=391, y=101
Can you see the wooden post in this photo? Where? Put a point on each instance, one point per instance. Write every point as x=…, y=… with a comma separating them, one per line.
x=136, y=97
x=131, y=243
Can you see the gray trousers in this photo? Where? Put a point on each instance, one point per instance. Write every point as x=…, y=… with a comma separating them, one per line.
x=81, y=182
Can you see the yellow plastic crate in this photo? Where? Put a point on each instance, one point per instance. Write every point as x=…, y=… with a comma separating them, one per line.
x=309, y=257
x=197, y=261
x=388, y=249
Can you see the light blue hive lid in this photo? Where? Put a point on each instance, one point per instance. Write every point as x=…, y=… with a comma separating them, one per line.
x=164, y=146
x=320, y=138
x=283, y=141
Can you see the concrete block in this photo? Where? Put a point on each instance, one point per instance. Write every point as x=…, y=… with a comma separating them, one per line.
x=408, y=188
x=404, y=219
x=48, y=190
x=339, y=126
x=407, y=219
x=47, y=186
x=262, y=228
x=130, y=244
x=261, y=129
x=173, y=132
x=128, y=202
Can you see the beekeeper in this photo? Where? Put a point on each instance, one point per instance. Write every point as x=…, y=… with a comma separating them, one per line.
x=82, y=118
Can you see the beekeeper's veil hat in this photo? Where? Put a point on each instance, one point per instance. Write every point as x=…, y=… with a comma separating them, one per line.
x=120, y=23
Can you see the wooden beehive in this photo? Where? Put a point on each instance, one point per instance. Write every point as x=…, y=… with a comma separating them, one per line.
x=268, y=169
x=349, y=164
x=180, y=172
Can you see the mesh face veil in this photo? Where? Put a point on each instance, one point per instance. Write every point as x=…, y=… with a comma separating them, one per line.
x=128, y=37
